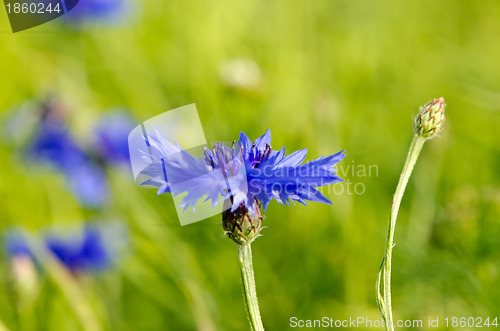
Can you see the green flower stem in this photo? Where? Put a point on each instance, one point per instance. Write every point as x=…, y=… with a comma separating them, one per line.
x=249, y=291
x=384, y=276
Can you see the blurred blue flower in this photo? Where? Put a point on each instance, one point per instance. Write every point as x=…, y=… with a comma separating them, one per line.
x=111, y=137
x=85, y=252
x=91, y=248
x=246, y=173
x=89, y=184
x=111, y=11
x=51, y=142
x=54, y=145
x=15, y=243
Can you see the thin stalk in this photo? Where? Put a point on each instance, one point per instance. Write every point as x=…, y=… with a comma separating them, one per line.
x=383, y=286
x=249, y=291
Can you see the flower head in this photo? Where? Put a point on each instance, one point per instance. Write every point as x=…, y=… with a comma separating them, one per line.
x=249, y=174
x=430, y=119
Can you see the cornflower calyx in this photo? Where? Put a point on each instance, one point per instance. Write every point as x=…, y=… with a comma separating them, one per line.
x=240, y=225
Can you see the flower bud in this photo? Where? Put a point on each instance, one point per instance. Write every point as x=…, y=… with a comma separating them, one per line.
x=240, y=225
x=430, y=119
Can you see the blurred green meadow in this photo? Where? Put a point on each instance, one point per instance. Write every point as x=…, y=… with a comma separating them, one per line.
x=327, y=75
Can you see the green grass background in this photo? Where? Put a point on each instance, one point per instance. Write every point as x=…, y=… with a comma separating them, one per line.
x=336, y=75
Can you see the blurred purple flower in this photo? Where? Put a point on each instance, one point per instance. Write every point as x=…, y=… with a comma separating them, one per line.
x=15, y=243
x=91, y=248
x=111, y=137
x=53, y=144
x=84, y=252
x=110, y=11
x=89, y=184
x=47, y=139
x=247, y=172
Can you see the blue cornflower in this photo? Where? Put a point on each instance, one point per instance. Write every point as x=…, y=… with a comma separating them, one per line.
x=91, y=248
x=249, y=174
